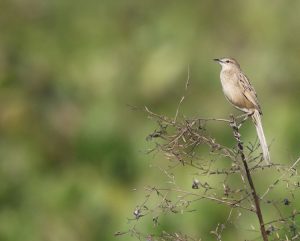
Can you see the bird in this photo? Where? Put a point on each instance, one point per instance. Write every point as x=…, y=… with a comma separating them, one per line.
x=241, y=94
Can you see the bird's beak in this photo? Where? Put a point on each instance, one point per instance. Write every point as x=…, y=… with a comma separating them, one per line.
x=218, y=60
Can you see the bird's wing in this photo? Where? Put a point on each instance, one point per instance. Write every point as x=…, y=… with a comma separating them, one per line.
x=249, y=91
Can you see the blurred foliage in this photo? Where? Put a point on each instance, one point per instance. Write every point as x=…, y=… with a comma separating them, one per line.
x=72, y=150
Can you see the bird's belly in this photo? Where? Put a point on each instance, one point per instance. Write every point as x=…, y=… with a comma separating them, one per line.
x=235, y=96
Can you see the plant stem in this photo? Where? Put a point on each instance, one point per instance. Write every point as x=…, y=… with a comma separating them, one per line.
x=258, y=212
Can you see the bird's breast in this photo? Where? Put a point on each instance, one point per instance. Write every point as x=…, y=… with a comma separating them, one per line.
x=234, y=93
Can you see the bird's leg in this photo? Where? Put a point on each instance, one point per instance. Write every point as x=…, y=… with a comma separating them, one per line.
x=245, y=117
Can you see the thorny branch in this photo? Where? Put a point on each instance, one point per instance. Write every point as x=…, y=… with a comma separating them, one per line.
x=217, y=168
x=258, y=212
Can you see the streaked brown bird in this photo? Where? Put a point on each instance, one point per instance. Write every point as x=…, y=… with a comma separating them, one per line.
x=240, y=93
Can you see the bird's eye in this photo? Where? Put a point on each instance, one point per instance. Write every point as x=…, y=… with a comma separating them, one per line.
x=227, y=61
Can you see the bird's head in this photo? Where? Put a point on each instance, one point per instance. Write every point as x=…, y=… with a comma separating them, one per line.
x=228, y=63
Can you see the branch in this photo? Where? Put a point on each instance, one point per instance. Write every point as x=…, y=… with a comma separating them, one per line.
x=237, y=136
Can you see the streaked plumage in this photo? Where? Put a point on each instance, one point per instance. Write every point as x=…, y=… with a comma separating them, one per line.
x=240, y=93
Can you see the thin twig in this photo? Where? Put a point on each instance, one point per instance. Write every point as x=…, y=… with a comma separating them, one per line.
x=182, y=98
x=278, y=179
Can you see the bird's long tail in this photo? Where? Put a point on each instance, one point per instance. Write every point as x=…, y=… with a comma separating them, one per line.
x=261, y=136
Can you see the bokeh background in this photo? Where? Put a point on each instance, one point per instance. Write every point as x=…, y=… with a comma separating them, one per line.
x=72, y=150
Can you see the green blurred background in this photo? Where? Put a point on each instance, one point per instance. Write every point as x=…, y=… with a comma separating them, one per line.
x=72, y=150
